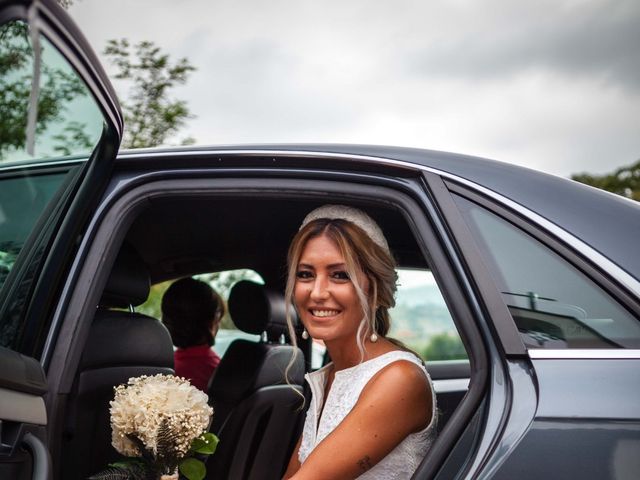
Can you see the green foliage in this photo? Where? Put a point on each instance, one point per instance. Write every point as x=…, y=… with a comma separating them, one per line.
x=58, y=87
x=166, y=461
x=72, y=139
x=193, y=469
x=205, y=444
x=15, y=50
x=623, y=181
x=150, y=116
x=152, y=306
x=445, y=346
x=8, y=254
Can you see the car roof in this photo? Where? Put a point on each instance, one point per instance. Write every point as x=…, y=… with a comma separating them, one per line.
x=609, y=223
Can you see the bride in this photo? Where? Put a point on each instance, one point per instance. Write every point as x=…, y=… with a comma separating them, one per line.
x=372, y=409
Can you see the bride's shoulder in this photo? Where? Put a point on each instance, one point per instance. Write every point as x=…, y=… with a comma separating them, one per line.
x=402, y=371
x=401, y=385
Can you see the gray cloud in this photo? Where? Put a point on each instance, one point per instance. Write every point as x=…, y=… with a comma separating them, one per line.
x=551, y=84
x=258, y=89
x=596, y=39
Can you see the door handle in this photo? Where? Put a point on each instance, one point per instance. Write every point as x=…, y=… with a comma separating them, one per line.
x=41, y=457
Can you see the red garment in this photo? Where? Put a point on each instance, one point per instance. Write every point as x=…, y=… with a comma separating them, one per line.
x=196, y=364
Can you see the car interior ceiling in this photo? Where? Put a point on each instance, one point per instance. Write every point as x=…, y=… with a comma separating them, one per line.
x=181, y=235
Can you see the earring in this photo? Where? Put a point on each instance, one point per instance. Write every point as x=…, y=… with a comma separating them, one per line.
x=305, y=334
x=374, y=337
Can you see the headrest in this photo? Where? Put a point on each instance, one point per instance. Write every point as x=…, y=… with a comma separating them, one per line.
x=125, y=339
x=249, y=366
x=255, y=309
x=128, y=282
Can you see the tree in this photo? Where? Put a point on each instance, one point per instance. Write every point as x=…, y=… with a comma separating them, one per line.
x=151, y=116
x=623, y=181
x=59, y=86
x=445, y=346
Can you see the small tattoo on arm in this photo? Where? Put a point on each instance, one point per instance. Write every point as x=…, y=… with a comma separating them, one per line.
x=365, y=463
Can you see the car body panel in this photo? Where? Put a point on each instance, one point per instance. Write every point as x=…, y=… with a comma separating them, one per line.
x=578, y=388
x=587, y=424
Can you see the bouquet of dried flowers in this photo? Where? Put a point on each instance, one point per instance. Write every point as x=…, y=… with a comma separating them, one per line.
x=160, y=423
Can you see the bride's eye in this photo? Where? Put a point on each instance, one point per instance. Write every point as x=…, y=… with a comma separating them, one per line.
x=340, y=275
x=304, y=274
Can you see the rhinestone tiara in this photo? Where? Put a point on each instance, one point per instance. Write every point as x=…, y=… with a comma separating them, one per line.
x=353, y=215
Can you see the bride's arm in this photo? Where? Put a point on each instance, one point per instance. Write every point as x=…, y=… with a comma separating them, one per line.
x=395, y=403
x=294, y=463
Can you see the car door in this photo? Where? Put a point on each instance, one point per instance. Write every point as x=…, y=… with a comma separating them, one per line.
x=60, y=128
x=571, y=361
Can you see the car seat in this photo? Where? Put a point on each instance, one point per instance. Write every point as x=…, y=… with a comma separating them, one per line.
x=120, y=345
x=256, y=412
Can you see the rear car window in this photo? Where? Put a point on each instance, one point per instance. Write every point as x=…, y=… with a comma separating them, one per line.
x=421, y=319
x=553, y=304
x=221, y=282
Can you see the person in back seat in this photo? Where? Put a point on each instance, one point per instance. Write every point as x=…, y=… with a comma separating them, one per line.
x=192, y=311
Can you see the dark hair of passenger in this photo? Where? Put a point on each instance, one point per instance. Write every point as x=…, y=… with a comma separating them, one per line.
x=190, y=309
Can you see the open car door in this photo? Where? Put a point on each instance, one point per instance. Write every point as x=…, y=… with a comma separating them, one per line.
x=60, y=129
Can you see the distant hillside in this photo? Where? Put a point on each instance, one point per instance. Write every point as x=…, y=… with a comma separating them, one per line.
x=419, y=314
x=423, y=294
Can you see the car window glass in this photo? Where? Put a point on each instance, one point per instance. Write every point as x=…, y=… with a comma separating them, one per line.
x=553, y=304
x=421, y=319
x=68, y=120
x=221, y=282
x=68, y=125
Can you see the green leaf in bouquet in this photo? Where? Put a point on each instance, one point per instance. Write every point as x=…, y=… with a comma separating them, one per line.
x=205, y=444
x=193, y=469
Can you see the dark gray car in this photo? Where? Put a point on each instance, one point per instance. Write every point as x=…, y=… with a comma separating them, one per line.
x=538, y=277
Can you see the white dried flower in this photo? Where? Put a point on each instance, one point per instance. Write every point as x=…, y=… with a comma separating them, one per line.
x=140, y=407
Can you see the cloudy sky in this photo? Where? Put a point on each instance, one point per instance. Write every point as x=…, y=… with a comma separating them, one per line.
x=549, y=84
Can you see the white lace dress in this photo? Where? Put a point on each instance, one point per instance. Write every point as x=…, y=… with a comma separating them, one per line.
x=347, y=385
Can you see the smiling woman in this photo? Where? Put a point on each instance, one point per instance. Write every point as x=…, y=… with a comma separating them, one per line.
x=342, y=280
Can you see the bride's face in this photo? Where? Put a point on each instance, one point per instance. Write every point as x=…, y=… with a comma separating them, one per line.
x=324, y=295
